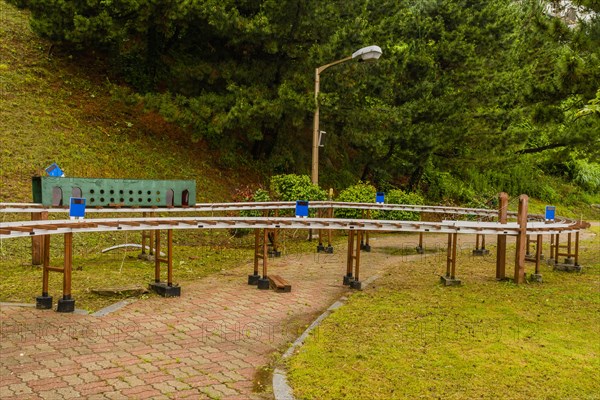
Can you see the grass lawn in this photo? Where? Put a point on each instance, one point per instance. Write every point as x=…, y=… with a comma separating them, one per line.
x=409, y=337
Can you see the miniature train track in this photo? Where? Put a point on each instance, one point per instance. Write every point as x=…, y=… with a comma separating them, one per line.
x=481, y=222
x=35, y=228
x=49, y=227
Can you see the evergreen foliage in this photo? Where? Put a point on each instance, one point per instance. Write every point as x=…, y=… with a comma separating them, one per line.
x=467, y=95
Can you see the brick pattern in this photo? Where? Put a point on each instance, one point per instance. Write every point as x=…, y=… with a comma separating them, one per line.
x=207, y=344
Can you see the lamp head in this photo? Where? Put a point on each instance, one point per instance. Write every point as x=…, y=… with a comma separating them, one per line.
x=368, y=53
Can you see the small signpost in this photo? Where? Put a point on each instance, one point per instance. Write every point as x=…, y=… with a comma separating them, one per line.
x=380, y=198
x=77, y=208
x=54, y=170
x=301, y=209
x=550, y=212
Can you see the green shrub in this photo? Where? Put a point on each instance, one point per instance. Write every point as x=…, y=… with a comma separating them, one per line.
x=359, y=193
x=586, y=175
x=292, y=187
x=398, y=196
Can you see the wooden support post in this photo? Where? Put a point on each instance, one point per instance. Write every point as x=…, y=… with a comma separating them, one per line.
x=265, y=252
x=329, y=248
x=576, y=261
x=569, y=259
x=454, y=246
x=157, y=258
x=147, y=237
x=556, y=247
x=44, y=302
x=353, y=259
x=67, y=304
x=501, y=245
x=348, y=277
x=359, y=235
x=519, y=276
x=420, y=249
x=165, y=289
x=263, y=283
x=68, y=265
x=449, y=256
x=46, y=264
x=169, y=257
x=450, y=278
x=37, y=242
x=253, y=279
x=528, y=247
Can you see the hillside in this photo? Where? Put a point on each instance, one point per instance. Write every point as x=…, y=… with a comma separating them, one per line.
x=53, y=110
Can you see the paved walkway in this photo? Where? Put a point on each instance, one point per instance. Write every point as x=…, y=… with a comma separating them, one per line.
x=212, y=342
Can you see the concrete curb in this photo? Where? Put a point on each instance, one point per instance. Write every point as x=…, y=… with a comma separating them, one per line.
x=281, y=387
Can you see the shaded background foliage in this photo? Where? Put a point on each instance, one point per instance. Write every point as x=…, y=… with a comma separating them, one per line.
x=468, y=96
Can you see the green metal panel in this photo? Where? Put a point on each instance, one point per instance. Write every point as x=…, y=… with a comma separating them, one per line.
x=107, y=192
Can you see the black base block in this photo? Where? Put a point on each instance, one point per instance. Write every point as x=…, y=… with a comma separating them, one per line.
x=448, y=281
x=320, y=248
x=163, y=289
x=567, y=267
x=264, y=284
x=329, y=249
x=356, y=285
x=535, y=278
x=146, y=257
x=43, y=302
x=348, y=279
x=419, y=250
x=66, y=305
x=273, y=253
x=253, y=279
x=365, y=247
x=481, y=252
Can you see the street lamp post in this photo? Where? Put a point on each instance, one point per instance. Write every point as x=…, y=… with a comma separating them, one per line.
x=364, y=54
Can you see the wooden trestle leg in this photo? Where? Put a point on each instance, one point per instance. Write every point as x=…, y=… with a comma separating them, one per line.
x=165, y=289
x=67, y=303
x=44, y=302
x=353, y=260
x=450, y=278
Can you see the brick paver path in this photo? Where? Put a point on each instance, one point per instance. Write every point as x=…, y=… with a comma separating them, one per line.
x=209, y=343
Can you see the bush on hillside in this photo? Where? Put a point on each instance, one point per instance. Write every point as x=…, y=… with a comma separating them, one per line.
x=362, y=192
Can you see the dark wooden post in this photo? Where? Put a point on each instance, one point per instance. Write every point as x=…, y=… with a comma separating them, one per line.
x=576, y=261
x=157, y=256
x=169, y=257
x=521, y=239
x=253, y=279
x=67, y=304
x=450, y=278
x=359, y=239
x=449, y=256
x=348, y=277
x=501, y=247
x=263, y=283
x=37, y=242
x=44, y=302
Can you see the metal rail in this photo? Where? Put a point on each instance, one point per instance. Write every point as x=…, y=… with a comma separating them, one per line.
x=50, y=227
x=249, y=206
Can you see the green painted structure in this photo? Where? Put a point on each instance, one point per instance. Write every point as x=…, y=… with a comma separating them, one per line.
x=56, y=191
